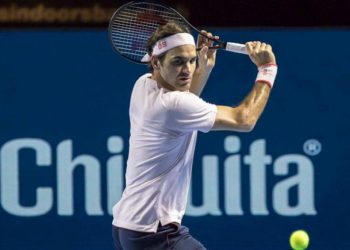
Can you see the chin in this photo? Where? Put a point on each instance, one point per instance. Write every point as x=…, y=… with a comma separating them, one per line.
x=184, y=87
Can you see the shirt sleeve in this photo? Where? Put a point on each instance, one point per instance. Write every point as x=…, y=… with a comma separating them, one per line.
x=188, y=112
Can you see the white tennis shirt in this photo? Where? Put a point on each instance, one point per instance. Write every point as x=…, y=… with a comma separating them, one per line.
x=163, y=134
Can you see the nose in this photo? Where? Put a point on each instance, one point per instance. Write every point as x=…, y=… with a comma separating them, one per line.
x=186, y=67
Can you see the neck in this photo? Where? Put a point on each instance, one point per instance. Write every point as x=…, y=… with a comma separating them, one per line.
x=160, y=81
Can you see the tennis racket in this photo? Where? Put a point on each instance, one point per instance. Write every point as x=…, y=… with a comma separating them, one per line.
x=133, y=23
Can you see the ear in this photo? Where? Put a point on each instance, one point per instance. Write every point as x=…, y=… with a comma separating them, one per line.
x=155, y=62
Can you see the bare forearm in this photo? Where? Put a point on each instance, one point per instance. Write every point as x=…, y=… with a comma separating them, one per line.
x=206, y=62
x=254, y=104
x=244, y=116
x=199, y=81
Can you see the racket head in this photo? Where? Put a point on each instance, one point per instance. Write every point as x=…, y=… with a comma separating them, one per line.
x=133, y=23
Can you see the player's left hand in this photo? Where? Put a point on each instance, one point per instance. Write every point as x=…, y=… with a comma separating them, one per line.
x=206, y=56
x=260, y=53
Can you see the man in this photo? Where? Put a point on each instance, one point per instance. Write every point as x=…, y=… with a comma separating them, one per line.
x=165, y=114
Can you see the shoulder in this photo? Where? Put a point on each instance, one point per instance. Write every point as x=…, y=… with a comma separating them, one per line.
x=141, y=84
x=179, y=101
x=175, y=99
x=187, y=112
x=143, y=78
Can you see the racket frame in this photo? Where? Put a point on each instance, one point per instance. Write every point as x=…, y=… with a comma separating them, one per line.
x=220, y=44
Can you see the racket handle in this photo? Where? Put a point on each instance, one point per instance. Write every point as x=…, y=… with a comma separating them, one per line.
x=236, y=48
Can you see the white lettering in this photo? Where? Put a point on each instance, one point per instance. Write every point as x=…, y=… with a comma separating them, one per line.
x=9, y=183
x=258, y=161
x=303, y=180
x=232, y=168
x=65, y=168
x=210, y=190
x=284, y=201
x=115, y=172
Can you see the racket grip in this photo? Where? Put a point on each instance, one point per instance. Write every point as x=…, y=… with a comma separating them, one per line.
x=236, y=48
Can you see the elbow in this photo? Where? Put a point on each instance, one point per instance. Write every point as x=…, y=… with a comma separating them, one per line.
x=246, y=120
x=239, y=119
x=247, y=127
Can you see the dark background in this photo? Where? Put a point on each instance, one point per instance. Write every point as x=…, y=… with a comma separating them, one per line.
x=225, y=13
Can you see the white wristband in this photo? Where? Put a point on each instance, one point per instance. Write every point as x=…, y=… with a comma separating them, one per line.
x=267, y=74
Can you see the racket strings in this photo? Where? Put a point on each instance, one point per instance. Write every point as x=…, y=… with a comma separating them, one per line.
x=131, y=28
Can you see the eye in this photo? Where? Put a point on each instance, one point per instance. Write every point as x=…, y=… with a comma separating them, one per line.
x=177, y=61
x=193, y=60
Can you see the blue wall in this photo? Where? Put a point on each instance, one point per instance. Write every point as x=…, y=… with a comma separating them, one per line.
x=64, y=140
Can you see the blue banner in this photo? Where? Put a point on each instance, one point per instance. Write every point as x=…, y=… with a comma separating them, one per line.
x=64, y=130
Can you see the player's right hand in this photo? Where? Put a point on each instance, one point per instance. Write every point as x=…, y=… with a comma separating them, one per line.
x=206, y=57
x=260, y=53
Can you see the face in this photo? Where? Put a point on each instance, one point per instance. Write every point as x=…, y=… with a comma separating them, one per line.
x=177, y=68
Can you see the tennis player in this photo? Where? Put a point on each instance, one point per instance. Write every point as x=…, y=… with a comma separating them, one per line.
x=165, y=114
